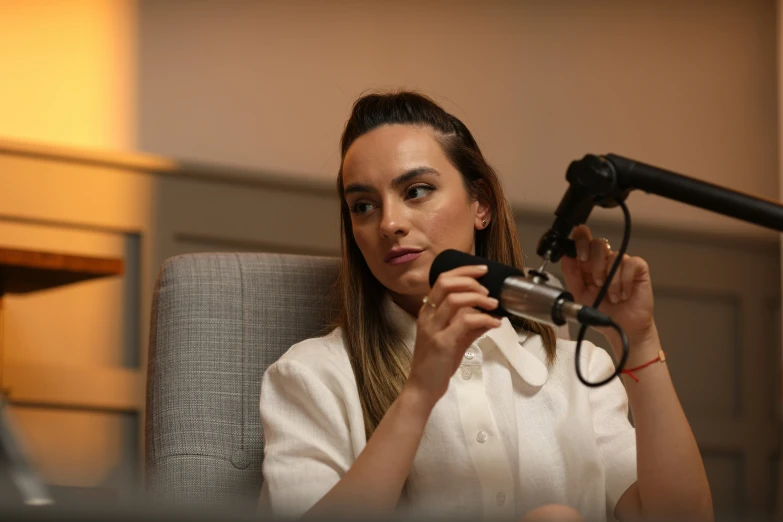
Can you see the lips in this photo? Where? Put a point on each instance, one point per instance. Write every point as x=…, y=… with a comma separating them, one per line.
x=396, y=256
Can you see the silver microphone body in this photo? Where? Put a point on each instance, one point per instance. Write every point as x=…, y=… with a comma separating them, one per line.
x=530, y=297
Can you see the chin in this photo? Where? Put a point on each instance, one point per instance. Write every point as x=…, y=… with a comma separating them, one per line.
x=408, y=284
x=411, y=280
x=412, y=288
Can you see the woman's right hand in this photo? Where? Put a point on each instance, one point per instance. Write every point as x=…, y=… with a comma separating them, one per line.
x=447, y=325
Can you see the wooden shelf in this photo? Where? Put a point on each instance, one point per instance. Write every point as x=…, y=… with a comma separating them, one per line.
x=25, y=271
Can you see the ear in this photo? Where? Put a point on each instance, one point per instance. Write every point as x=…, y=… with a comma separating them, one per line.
x=482, y=213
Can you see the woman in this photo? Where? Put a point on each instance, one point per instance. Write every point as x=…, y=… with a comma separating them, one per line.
x=419, y=400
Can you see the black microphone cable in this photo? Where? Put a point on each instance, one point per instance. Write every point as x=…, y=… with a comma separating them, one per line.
x=598, y=300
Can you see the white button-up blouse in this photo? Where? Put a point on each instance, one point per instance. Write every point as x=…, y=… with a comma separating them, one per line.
x=510, y=434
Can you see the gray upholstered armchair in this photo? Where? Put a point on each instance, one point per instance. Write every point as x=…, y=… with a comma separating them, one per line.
x=218, y=321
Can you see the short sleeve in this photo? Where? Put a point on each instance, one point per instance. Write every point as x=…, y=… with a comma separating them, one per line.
x=615, y=436
x=307, y=435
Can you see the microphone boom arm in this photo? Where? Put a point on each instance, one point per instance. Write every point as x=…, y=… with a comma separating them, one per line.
x=605, y=180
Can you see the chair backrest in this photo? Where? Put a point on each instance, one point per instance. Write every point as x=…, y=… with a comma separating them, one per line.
x=218, y=321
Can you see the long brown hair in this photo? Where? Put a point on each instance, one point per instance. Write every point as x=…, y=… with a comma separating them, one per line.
x=379, y=359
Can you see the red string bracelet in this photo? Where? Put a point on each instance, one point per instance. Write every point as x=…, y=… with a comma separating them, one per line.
x=661, y=358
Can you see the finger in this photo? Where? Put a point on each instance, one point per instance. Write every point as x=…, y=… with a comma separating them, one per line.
x=447, y=310
x=599, y=251
x=573, y=276
x=470, y=326
x=458, y=316
x=473, y=271
x=615, y=287
x=582, y=238
x=635, y=267
x=446, y=285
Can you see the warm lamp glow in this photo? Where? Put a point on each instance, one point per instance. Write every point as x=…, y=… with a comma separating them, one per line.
x=67, y=70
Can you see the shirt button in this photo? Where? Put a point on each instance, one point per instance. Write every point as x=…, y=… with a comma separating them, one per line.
x=501, y=498
x=467, y=373
x=482, y=436
x=470, y=354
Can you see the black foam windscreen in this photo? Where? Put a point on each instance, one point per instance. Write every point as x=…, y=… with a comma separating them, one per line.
x=493, y=280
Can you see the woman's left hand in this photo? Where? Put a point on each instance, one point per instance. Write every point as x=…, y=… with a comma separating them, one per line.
x=629, y=300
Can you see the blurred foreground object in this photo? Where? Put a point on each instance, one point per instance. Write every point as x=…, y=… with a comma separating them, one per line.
x=21, y=272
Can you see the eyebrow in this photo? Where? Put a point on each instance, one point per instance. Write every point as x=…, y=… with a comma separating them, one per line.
x=396, y=182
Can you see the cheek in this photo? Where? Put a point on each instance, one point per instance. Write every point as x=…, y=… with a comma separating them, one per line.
x=358, y=237
x=363, y=241
x=453, y=225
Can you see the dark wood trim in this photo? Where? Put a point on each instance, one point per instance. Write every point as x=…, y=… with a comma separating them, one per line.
x=24, y=271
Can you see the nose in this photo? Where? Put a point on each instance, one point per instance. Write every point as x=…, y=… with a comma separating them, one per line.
x=394, y=220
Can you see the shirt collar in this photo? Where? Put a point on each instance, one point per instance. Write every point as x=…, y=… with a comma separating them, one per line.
x=524, y=351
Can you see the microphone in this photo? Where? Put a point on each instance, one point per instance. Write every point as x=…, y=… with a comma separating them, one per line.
x=527, y=296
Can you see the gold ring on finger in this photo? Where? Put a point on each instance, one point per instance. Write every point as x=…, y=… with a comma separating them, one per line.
x=608, y=245
x=426, y=301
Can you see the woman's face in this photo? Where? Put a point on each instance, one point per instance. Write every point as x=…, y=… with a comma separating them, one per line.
x=408, y=203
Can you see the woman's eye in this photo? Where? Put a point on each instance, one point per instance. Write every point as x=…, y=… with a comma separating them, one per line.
x=361, y=207
x=418, y=191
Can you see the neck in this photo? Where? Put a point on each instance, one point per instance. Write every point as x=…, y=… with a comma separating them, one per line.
x=409, y=303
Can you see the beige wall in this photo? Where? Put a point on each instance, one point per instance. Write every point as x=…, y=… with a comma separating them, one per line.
x=67, y=72
x=268, y=85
